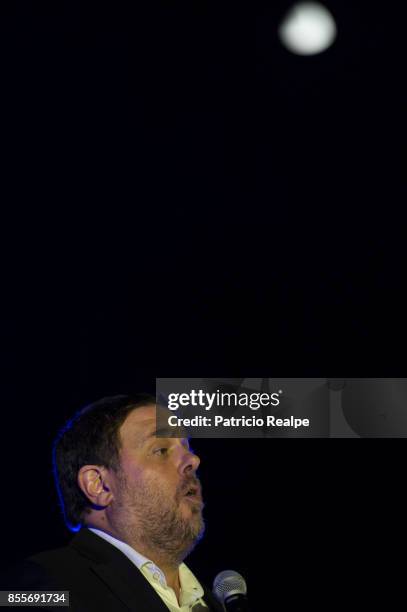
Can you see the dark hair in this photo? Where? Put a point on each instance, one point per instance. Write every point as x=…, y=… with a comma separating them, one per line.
x=90, y=437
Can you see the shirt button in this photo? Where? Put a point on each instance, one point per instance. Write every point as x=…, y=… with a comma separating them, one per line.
x=156, y=576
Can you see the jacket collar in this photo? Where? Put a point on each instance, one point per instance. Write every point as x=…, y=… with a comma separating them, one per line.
x=122, y=577
x=118, y=573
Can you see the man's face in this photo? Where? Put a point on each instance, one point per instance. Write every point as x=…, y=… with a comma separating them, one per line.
x=157, y=497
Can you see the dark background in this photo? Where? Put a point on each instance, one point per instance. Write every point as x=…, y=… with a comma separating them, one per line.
x=183, y=197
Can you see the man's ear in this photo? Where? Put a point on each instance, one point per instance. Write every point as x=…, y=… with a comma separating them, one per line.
x=93, y=480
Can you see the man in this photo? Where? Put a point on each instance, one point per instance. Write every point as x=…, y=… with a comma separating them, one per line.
x=135, y=501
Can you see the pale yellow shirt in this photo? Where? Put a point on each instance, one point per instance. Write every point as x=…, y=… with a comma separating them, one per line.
x=191, y=593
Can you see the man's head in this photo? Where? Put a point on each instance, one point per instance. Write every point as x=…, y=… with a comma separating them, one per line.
x=112, y=472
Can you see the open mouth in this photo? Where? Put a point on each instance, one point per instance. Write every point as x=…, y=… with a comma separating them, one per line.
x=193, y=494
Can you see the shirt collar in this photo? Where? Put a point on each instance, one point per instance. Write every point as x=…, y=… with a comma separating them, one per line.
x=132, y=554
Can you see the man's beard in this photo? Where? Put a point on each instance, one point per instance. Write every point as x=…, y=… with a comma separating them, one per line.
x=150, y=517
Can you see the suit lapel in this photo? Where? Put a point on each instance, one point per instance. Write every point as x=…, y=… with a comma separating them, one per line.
x=121, y=576
x=134, y=591
x=118, y=573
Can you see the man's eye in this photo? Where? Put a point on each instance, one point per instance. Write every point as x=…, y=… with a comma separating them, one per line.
x=160, y=451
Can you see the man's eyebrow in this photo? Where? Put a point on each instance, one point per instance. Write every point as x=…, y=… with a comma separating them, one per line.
x=162, y=432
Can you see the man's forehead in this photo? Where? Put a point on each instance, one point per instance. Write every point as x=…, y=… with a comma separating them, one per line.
x=141, y=424
x=140, y=419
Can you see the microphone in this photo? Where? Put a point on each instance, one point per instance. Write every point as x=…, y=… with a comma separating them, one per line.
x=230, y=590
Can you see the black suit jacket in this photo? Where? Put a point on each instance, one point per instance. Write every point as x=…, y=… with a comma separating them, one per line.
x=100, y=578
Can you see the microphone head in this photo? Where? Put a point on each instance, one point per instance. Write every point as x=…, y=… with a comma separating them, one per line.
x=228, y=583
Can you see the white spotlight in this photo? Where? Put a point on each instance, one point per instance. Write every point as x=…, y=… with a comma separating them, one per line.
x=307, y=29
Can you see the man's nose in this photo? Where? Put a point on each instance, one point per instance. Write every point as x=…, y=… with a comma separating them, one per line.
x=190, y=462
